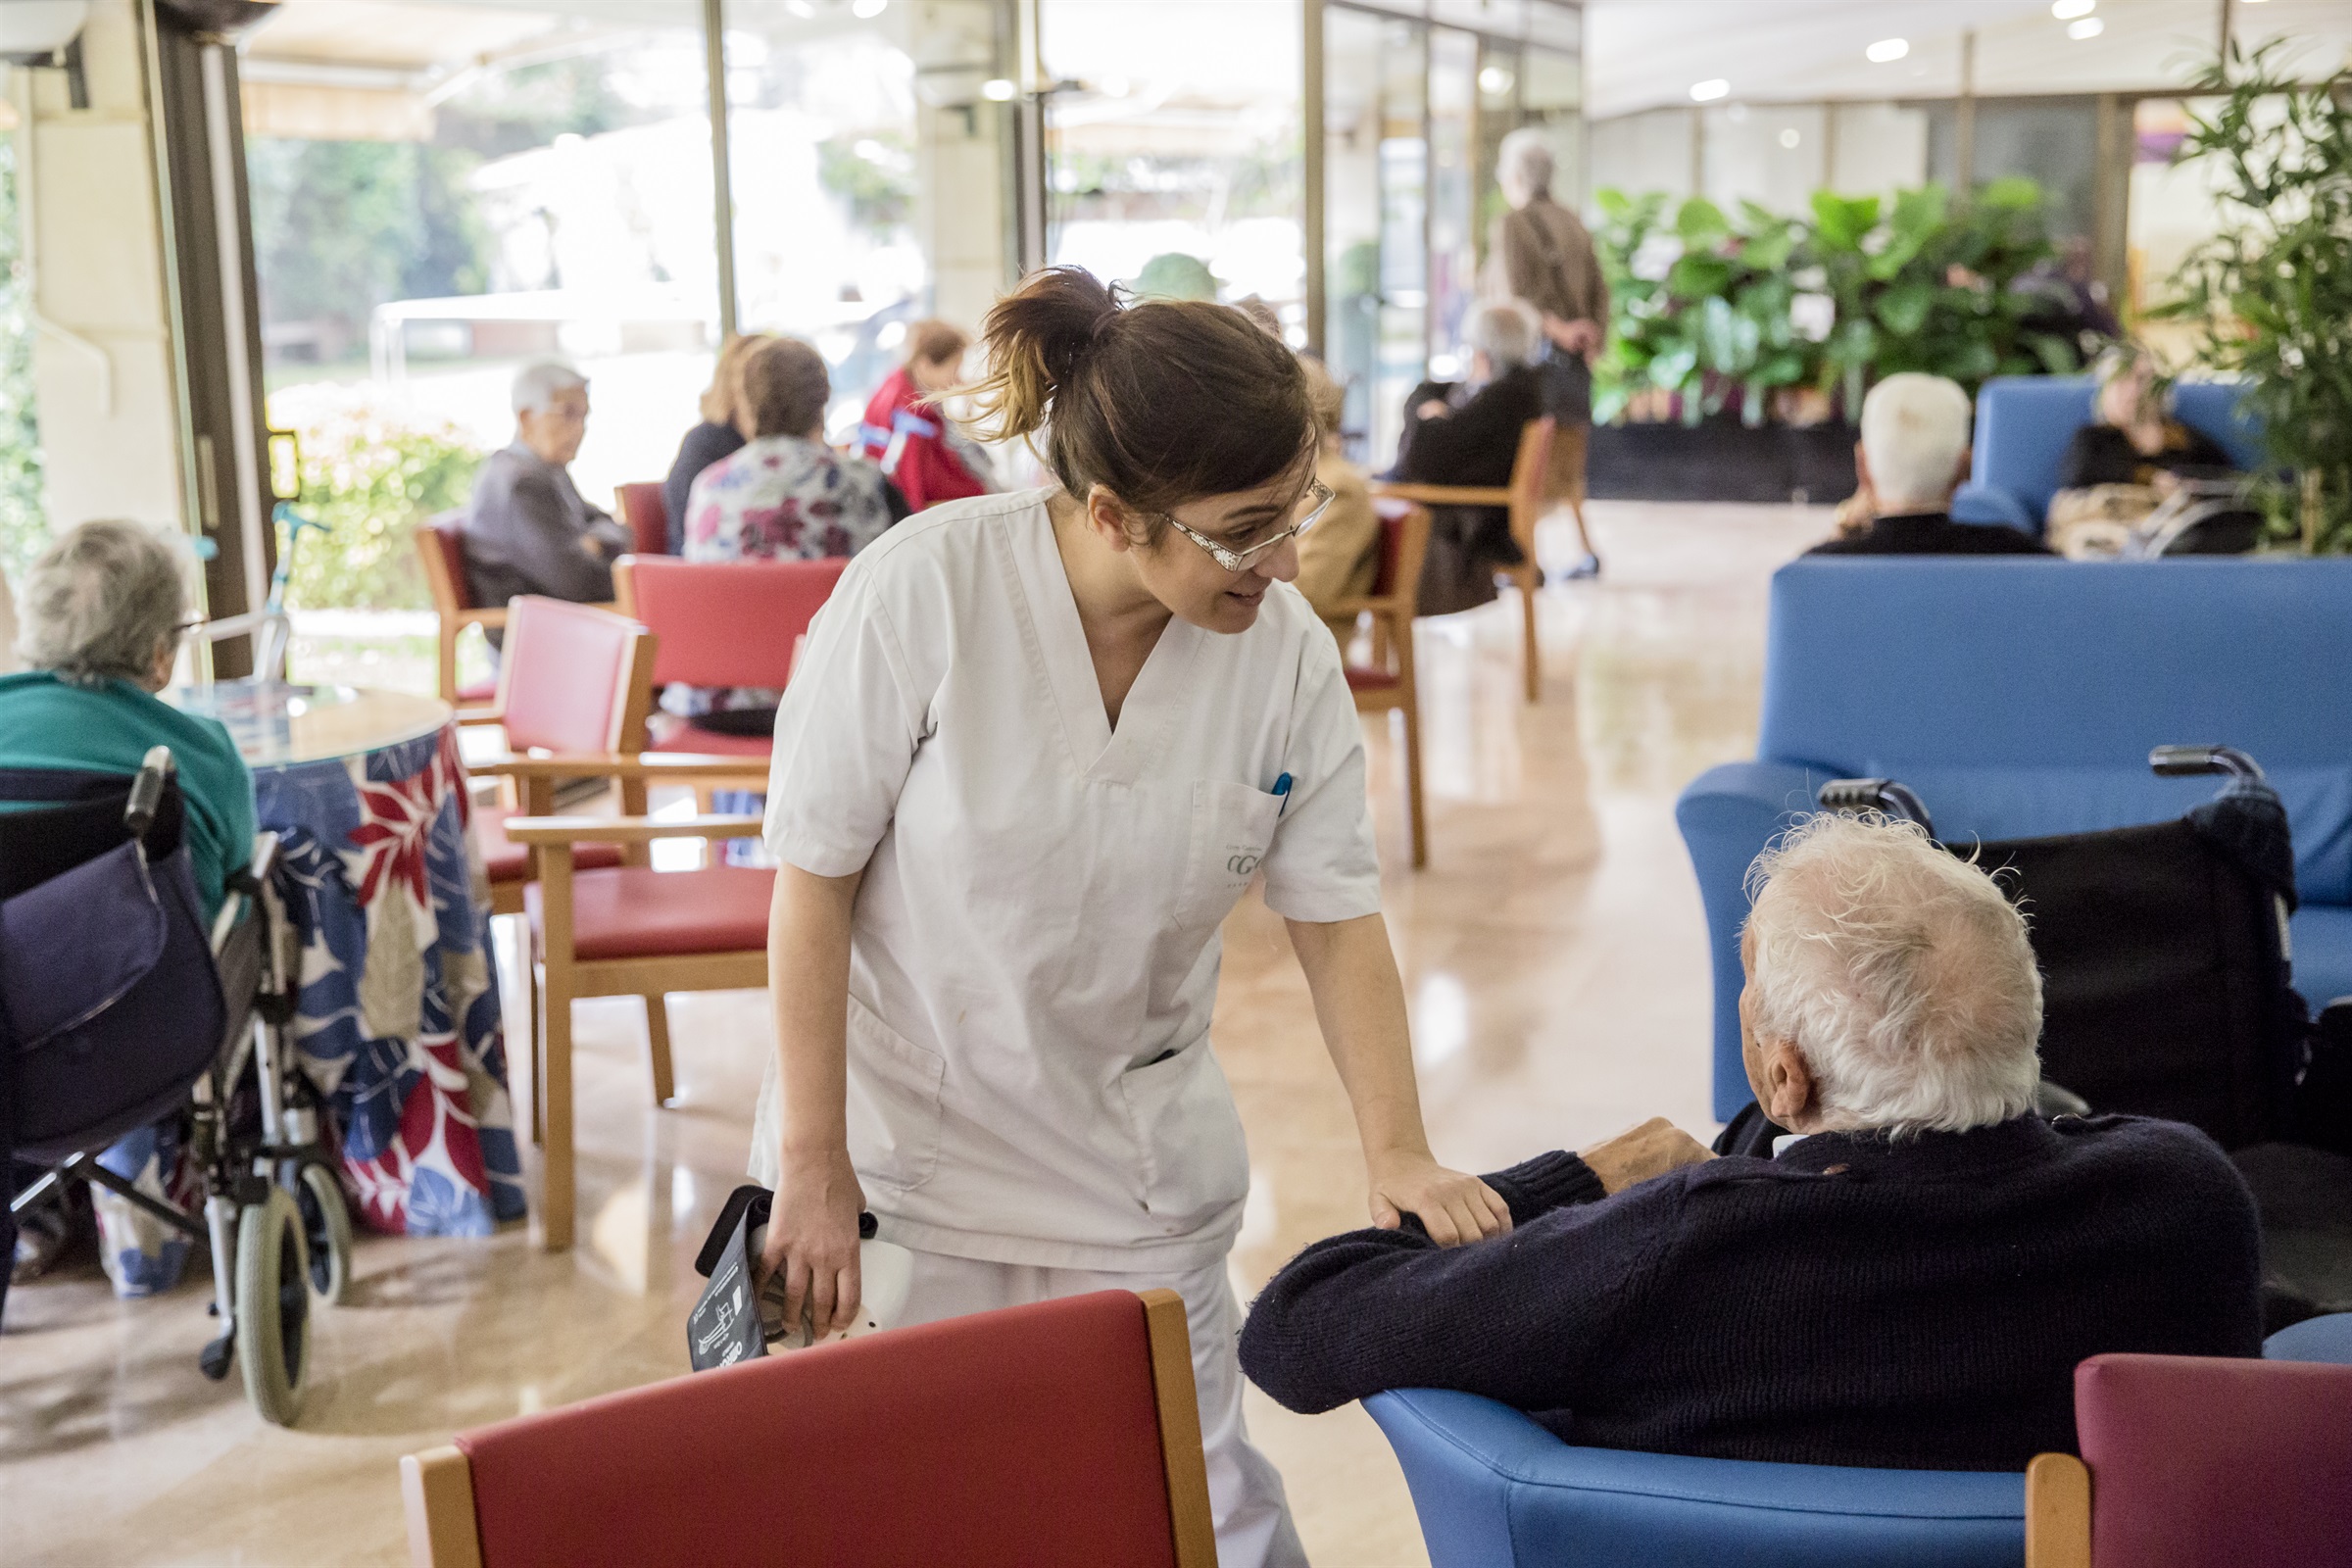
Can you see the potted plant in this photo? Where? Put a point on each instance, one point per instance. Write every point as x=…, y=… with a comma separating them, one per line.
x=2272, y=289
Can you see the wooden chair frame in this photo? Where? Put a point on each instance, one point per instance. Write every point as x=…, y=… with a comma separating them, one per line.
x=2057, y=1512
x=1391, y=616
x=1524, y=497
x=436, y=1487
x=455, y=615
x=556, y=977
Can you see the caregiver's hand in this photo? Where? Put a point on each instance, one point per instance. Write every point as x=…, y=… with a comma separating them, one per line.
x=1452, y=1207
x=812, y=1237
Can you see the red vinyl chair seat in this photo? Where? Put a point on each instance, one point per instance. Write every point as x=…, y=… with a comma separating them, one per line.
x=2204, y=1461
x=508, y=861
x=1026, y=1438
x=1363, y=678
x=634, y=912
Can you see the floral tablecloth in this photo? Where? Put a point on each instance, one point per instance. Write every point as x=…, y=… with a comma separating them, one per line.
x=398, y=1022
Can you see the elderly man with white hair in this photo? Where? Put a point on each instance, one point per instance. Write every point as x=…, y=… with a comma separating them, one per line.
x=528, y=531
x=1905, y=1276
x=1467, y=433
x=1913, y=455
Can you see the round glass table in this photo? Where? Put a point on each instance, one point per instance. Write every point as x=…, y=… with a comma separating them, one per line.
x=397, y=1021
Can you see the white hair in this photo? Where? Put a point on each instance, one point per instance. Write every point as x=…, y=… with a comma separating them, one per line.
x=1899, y=971
x=101, y=604
x=1505, y=332
x=1913, y=433
x=1524, y=163
x=541, y=382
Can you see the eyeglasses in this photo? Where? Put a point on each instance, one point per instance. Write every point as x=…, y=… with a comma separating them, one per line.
x=1318, y=499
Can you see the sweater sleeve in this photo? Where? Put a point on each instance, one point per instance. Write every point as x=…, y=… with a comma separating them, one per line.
x=542, y=544
x=1515, y=1317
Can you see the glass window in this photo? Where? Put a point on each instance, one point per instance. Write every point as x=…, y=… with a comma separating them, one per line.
x=440, y=195
x=1452, y=251
x=24, y=521
x=1173, y=144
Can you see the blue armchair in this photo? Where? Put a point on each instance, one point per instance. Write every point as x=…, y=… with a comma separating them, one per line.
x=2020, y=696
x=2024, y=423
x=1493, y=1489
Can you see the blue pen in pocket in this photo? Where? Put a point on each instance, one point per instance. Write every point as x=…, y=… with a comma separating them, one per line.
x=1281, y=793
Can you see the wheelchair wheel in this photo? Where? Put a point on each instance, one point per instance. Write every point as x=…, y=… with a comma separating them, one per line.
x=326, y=1226
x=273, y=1306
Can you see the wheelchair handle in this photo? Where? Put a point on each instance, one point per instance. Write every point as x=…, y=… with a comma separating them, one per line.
x=2183, y=761
x=147, y=791
x=1874, y=795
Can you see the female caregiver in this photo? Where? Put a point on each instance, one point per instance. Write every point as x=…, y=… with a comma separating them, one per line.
x=1037, y=747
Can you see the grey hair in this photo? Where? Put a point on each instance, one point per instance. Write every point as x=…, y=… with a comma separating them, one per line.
x=1507, y=331
x=539, y=384
x=1915, y=430
x=1901, y=971
x=1524, y=159
x=101, y=603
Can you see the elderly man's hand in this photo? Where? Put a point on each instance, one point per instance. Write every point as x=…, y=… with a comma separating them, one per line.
x=1652, y=1149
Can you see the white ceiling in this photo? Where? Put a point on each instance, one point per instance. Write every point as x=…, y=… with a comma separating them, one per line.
x=1645, y=54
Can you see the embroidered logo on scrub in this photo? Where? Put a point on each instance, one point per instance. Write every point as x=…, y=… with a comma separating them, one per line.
x=1243, y=864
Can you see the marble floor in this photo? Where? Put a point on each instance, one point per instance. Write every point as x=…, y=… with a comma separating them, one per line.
x=1552, y=950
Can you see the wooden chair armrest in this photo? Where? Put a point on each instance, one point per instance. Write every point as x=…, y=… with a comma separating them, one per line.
x=495, y=616
x=628, y=829
x=1393, y=605
x=480, y=715
x=654, y=767
x=1444, y=495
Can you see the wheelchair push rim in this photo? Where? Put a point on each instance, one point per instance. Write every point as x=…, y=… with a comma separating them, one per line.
x=325, y=1216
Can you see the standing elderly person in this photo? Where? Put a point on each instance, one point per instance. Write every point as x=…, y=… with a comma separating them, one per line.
x=528, y=531
x=1539, y=252
x=1467, y=433
x=1906, y=1279
x=101, y=615
x=1912, y=457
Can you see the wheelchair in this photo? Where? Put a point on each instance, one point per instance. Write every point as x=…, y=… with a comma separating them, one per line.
x=119, y=1007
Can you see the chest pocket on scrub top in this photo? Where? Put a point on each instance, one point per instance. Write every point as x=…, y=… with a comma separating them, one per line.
x=1232, y=828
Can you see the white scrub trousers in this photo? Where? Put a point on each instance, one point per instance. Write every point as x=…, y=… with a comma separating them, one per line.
x=1244, y=1491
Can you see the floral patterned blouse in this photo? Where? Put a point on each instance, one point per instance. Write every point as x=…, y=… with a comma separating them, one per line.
x=779, y=498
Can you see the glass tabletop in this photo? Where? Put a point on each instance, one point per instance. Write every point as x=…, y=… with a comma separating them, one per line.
x=279, y=725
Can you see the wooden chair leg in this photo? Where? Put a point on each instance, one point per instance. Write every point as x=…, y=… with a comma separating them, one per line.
x=1415, y=821
x=526, y=969
x=657, y=1039
x=1528, y=576
x=555, y=1099
x=446, y=634
x=1584, y=534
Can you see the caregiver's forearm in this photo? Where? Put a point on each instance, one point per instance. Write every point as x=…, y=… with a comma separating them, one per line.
x=808, y=991
x=1360, y=1003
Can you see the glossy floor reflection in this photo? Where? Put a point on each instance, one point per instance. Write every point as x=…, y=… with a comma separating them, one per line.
x=1554, y=953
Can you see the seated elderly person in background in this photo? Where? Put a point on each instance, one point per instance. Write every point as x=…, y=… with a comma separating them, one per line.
x=1907, y=1281
x=1913, y=455
x=785, y=496
x=920, y=449
x=528, y=531
x=1467, y=433
x=2123, y=465
x=100, y=622
x=720, y=433
x=1339, y=558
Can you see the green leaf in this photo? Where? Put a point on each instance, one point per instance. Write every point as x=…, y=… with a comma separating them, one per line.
x=1702, y=224
x=1695, y=277
x=1841, y=223
x=1903, y=308
x=1673, y=370
x=2012, y=191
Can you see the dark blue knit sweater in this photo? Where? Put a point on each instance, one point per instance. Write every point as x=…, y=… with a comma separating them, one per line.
x=1919, y=1304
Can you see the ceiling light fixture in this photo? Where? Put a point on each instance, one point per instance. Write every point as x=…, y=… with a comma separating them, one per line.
x=867, y=10
x=1495, y=81
x=1789, y=137
x=997, y=90
x=1706, y=92
x=2069, y=10
x=1887, y=50
x=2088, y=27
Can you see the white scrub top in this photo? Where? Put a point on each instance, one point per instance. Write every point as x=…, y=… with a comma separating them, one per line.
x=1034, y=949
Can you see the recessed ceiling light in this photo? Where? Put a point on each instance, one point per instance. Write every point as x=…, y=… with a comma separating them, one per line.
x=2088, y=27
x=997, y=90
x=2069, y=10
x=1886, y=50
x=1494, y=80
x=867, y=10
x=1789, y=137
x=1706, y=92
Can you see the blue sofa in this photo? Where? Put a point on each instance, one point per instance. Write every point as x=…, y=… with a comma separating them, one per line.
x=2024, y=423
x=2020, y=696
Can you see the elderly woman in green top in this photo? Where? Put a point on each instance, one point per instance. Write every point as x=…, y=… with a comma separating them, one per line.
x=99, y=622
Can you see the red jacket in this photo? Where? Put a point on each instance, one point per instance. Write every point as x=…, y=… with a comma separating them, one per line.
x=911, y=445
